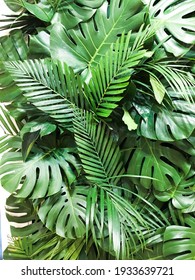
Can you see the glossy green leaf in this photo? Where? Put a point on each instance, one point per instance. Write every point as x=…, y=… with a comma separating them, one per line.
x=156, y=160
x=167, y=124
x=41, y=175
x=182, y=195
x=65, y=212
x=179, y=241
x=176, y=19
x=82, y=48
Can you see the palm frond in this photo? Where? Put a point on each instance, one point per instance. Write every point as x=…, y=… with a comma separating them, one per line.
x=111, y=77
x=99, y=152
x=50, y=86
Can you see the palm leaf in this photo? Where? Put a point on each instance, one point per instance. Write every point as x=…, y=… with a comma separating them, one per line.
x=50, y=86
x=83, y=46
x=41, y=175
x=111, y=77
x=99, y=152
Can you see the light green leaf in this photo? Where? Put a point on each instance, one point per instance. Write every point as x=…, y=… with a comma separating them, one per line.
x=158, y=88
x=175, y=18
x=129, y=121
x=41, y=175
x=65, y=212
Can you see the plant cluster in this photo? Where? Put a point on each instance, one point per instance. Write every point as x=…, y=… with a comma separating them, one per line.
x=99, y=116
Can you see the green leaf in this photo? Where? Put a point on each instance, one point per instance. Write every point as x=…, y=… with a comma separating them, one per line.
x=41, y=175
x=182, y=195
x=165, y=123
x=99, y=152
x=65, y=212
x=128, y=120
x=175, y=18
x=44, y=128
x=111, y=77
x=156, y=160
x=29, y=140
x=158, y=88
x=82, y=48
x=41, y=10
x=51, y=86
x=179, y=241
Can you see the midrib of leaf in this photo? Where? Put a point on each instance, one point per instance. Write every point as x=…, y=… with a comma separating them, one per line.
x=153, y=156
x=97, y=153
x=73, y=216
x=105, y=38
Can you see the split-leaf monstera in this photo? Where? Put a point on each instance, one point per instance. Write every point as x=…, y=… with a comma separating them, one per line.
x=98, y=116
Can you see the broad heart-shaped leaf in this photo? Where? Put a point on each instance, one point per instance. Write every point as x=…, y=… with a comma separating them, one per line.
x=51, y=86
x=41, y=175
x=65, y=211
x=182, y=195
x=156, y=160
x=164, y=123
x=83, y=46
x=175, y=18
x=97, y=148
x=179, y=241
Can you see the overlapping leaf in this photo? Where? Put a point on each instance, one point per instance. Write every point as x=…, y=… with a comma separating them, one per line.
x=179, y=241
x=65, y=212
x=166, y=123
x=50, y=86
x=176, y=19
x=41, y=175
x=97, y=148
x=158, y=161
x=83, y=47
x=111, y=77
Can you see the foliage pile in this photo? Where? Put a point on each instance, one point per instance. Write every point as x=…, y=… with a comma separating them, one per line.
x=98, y=113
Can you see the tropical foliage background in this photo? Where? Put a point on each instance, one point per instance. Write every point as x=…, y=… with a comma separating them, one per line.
x=97, y=105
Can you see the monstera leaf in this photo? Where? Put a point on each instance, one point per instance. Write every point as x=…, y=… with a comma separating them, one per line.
x=175, y=18
x=83, y=47
x=41, y=175
x=31, y=239
x=158, y=161
x=65, y=212
x=182, y=195
x=166, y=124
x=179, y=241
